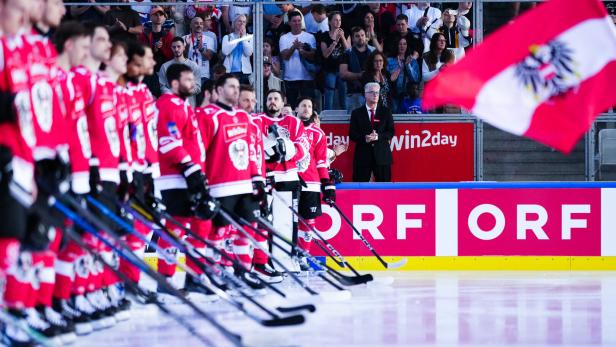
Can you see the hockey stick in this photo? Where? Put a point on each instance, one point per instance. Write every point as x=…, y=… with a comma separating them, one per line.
x=341, y=261
x=348, y=281
x=133, y=288
x=275, y=321
x=11, y=321
x=387, y=265
x=154, y=216
x=134, y=260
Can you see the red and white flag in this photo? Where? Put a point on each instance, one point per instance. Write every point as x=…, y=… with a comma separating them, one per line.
x=547, y=75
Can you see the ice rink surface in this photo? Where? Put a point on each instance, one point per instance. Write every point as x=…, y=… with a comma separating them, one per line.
x=417, y=309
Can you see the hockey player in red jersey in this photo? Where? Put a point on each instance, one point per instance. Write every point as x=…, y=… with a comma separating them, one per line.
x=239, y=186
x=182, y=181
x=285, y=144
x=313, y=171
x=73, y=45
x=247, y=102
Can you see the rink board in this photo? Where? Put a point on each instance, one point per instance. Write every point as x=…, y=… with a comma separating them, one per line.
x=475, y=225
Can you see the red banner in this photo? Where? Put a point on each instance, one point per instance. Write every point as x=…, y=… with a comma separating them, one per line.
x=422, y=152
x=468, y=222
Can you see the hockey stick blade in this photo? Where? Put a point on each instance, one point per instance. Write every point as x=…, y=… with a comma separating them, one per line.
x=397, y=264
x=308, y=307
x=284, y=321
x=351, y=281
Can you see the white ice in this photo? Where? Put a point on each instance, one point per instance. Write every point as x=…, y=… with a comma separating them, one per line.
x=417, y=309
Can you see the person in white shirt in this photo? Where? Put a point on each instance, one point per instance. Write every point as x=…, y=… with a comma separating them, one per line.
x=316, y=20
x=231, y=12
x=425, y=20
x=178, y=46
x=237, y=48
x=201, y=48
x=297, y=51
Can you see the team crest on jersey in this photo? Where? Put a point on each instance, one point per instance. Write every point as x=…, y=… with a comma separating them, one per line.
x=304, y=163
x=549, y=70
x=22, y=105
x=239, y=154
x=173, y=130
x=42, y=101
x=234, y=131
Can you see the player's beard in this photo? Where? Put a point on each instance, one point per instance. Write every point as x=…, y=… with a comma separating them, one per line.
x=184, y=92
x=271, y=111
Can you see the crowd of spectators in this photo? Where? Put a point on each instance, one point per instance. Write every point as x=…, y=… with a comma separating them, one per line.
x=323, y=50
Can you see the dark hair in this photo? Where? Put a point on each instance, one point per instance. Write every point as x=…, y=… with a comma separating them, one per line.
x=223, y=79
x=175, y=71
x=314, y=113
x=356, y=30
x=219, y=68
x=135, y=49
x=178, y=39
x=67, y=31
x=246, y=88
x=274, y=47
x=208, y=86
x=402, y=17
x=271, y=91
x=92, y=26
x=292, y=14
x=431, y=58
x=394, y=48
x=115, y=45
x=369, y=67
x=318, y=8
x=332, y=14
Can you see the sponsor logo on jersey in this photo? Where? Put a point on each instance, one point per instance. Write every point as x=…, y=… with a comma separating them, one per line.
x=19, y=76
x=106, y=106
x=234, y=131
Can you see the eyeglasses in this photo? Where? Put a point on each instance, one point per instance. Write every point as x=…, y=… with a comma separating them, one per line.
x=373, y=92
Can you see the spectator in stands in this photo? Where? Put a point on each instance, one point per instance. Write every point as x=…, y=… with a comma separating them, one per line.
x=384, y=18
x=404, y=70
x=297, y=51
x=201, y=49
x=123, y=21
x=371, y=128
x=333, y=45
x=375, y=71
x=352, y=68
x=247, y=100
x=231, y=12
x=411, y=103
x=89, y=13
x=437, y=58
x=456, y=31
x=178, y=14
x=269, y=80
x=424, y=20
x=237, y=48
x=143, y=11
x=217, y=71
x=316, y=20
x=204, y=10
x=413, y=40
x=157, y=38
x=372, y=37
x=286, y=9
x=268, y=51
x=178, y=47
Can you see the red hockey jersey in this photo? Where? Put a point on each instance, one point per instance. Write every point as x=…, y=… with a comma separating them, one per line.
x=46, y=103
x=18, y=136
x=135, y=102
x=256, y=143
x=313, y=167
x=150, y=121
x=78, y=137
x=179, y=139
x=293, y=129
x=102, y=122
x=229, y=166
x=123, y=96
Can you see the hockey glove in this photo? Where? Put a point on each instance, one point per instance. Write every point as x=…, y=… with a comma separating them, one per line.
x=52, y=175
x=7, y=111
x=258, y=188
x=270, y=182
x=124, y=186
x=205, y=207
x=335, y=176
x=6, y=169
x=195, y=180
x=329, y=191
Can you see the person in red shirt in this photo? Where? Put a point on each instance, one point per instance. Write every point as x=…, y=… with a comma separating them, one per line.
x=182, y=183
x=313, y=172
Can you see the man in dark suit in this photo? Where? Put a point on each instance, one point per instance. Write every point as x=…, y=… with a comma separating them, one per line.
x=372, y=127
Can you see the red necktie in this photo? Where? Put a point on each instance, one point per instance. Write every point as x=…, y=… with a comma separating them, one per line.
x=372, y=117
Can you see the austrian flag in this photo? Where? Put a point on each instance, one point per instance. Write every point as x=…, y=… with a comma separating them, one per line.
x=546, y=75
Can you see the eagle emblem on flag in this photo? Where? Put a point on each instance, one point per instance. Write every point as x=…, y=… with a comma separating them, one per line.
x=548, y=70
